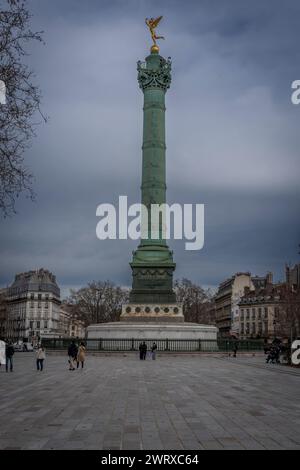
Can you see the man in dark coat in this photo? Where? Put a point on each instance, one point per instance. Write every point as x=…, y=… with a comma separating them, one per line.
x=144, y=350
x=72, y=353
x=9, y=352
x=141, y=351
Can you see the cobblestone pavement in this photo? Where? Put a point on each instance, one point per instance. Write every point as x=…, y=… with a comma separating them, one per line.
x=175, y=402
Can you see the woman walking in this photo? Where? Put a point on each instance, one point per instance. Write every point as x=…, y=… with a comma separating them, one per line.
x=153, y=350
x=40, y=357
x=81, y=355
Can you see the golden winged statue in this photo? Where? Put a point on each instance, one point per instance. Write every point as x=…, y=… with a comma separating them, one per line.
x=152, y=23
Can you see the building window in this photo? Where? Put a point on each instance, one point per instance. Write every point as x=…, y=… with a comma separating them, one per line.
x=242, y=314
x=31, y=325
x=253, y=313
x=45, y=325
x=242, y=329
x=248, y=313
x=32, y=296
x=266, y=312
x=38, y=325
x=31, y=304
x=46, y=304
x=259, y=313
x=247, y=328
x=254, y=328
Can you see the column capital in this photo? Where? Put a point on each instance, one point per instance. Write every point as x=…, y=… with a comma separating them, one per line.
x=155, y=72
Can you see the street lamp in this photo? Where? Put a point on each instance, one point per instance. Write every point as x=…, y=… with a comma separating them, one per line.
x=18, y=327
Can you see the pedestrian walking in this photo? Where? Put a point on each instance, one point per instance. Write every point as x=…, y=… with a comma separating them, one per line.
x=40, y=357
x=81, y=355
x=235, y=348
x=141, y=351
x=274, y=355
x=9, y=352
x=72, y=353
x=144, y=351
x=2, y=353
x=153, y=351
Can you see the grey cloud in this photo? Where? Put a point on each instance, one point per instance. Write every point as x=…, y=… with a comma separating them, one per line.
x=232, y=135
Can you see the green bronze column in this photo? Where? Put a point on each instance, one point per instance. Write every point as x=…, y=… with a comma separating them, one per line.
x=154, y=77
x=152, y=264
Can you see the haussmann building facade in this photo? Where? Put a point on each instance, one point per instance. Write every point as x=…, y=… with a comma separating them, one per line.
x=33, y=307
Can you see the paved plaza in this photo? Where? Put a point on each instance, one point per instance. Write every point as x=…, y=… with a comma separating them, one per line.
x=175, y=402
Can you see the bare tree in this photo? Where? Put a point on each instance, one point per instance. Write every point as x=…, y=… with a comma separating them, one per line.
x=287, y=314
x=17, y=124
x=197, y=302
x=99, y=302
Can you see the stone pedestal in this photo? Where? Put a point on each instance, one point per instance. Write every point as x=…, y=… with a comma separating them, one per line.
x=153, y=331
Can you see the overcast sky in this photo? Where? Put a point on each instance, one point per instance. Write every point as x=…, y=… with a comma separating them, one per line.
x=232, y=136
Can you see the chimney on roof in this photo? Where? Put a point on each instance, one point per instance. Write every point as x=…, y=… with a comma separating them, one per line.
x=246, y=290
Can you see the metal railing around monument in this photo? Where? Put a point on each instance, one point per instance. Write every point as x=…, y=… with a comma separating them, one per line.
x=166, y=345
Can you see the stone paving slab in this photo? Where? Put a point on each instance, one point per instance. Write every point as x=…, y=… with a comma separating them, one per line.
x=175, y=402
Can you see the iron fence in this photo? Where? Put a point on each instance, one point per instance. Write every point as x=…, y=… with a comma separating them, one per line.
x=171, y=345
